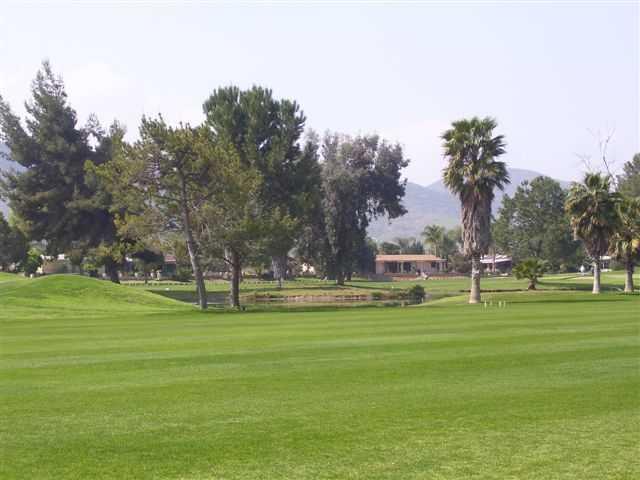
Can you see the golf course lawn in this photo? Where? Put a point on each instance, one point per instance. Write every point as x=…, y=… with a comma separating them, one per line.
x=252, y=290
x=106, y=381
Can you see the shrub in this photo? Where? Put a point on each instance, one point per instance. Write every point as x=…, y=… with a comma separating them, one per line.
x=182, y=275
x=32, y=262
x=377, y=296
x=416, y=294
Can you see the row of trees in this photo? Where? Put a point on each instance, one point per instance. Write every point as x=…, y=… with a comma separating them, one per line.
x=243, y=187
x=607, y=220
x=541, y=221
x=247, y=187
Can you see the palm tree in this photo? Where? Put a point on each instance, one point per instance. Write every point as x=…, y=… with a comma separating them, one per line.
x=593, y=212
x=434, y=236
x=625, y=246
x=531, y=269
x=473, y=173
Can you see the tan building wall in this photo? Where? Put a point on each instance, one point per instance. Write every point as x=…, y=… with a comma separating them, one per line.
x=405, y=265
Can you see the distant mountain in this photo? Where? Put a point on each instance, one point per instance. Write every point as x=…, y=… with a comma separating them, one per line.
x=434, y=204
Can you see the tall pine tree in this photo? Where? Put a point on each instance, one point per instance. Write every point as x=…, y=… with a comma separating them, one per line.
x=50, y=195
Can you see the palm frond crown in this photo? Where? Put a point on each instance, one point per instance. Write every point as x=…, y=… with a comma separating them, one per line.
x=473, y=173
x=593, y=212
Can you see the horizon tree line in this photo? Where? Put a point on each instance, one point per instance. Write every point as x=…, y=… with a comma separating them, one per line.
x=248, y=186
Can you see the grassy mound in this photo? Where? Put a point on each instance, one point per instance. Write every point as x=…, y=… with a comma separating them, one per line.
x=74, y=292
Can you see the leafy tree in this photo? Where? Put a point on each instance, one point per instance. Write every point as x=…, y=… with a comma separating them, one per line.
x=266, y=133
x=434, y=237
x=13, y=244
x=629, y=181
x=50, y=194
x=473, y=173
x=32, y=262
x=235, y=235
x=593, y=211
x=360, y=181
x=147, y=260
x=533, y=223
x=410, y=246
x=389, y=248
x=459, y=263
x=441, y=241
x=531, y=269
x=365, y=257
x=625, y=245
x=164, y=181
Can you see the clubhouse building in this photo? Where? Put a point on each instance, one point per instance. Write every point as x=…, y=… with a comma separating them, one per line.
x=407, y=265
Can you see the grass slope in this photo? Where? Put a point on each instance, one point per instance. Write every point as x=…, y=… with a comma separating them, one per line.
x=545, y=388
x=74, y=292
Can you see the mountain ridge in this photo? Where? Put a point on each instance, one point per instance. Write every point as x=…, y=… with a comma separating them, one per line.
x=434, y=204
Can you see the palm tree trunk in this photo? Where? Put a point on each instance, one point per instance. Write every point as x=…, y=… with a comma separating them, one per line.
x=596, y=276
x=628, y=279
x=474, y=295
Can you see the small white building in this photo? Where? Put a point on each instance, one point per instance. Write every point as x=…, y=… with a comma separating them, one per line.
x=403, y=265
x=497, y=263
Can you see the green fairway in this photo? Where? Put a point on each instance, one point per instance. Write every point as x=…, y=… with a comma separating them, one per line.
x=254, y=291
x=106, y=381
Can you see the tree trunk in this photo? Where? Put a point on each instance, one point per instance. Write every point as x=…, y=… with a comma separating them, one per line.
x=111, y=269
x=532, y=285
x=279, y=267
x=596, y=276
x=349, y=273
x=197, y=271
x=236, y=272
x=192, y=249
x=628, y=279
x=474, y=295
x=340, y=277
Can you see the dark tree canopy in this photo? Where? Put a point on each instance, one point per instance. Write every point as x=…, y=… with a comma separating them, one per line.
x=533, y=224
x=361, y=180
x=13, y=244
x=50, y=195
x=266, y=133
x=629, y=180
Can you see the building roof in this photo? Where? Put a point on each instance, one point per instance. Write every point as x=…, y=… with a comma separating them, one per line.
x=489, y=259
x=408, y=258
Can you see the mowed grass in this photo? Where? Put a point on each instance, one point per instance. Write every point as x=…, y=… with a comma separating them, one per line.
x=252, y=290
x=102, y=381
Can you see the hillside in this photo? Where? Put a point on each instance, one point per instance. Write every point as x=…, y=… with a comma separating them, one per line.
x=435, y=204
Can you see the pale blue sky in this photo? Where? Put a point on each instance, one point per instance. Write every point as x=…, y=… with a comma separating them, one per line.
x=553, y=75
